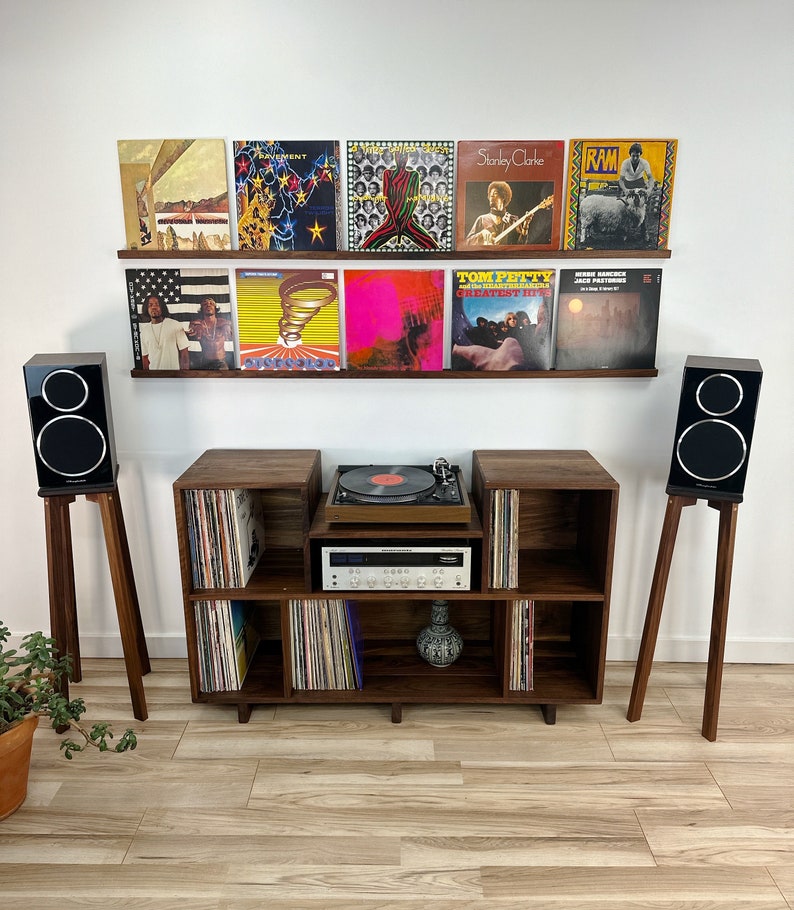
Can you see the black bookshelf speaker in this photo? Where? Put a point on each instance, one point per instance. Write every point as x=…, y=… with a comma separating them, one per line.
x=71, y=422
x=716, y=417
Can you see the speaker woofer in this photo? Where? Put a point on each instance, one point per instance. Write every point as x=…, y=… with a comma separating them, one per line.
x=71, y=446
x=711, y=450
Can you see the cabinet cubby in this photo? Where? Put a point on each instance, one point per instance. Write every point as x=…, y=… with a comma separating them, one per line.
x=567, y=518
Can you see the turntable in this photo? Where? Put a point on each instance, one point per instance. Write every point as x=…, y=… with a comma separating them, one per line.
x=429, y=493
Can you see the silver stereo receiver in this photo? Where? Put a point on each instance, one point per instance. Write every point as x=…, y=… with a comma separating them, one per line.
x=397, y=568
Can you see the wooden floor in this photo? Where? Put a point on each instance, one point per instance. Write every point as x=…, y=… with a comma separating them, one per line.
x=469, y=808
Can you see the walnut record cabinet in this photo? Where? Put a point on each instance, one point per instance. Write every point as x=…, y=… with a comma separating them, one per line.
x=562, y=538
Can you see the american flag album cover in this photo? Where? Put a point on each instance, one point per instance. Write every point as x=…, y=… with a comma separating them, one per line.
x=181, y=319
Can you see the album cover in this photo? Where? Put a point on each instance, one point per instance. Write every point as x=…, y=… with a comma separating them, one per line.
x=509, y=194
x=175, y=194
x=607, y=319
x=399, y=195
x=288, y=194
x=288, y=319
x=502, y=319
x=619, y=194
x=394, y=319
x=180, y=319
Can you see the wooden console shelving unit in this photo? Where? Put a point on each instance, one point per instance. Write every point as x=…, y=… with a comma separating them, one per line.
x=567, y=520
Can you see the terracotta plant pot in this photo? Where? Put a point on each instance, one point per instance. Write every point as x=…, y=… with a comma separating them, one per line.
x=15, y=746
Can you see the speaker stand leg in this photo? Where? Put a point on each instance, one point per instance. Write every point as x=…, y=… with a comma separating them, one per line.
x=653, y=615
x=60, y=580
x=719, y=616
x=136, y=657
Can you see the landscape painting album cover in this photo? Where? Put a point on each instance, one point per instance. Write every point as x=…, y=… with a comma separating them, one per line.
x=607, y=319
x=509, y=194
x=502, y=319
x=619, y=194
x=288, y=319
x=288, y=194
x=180, y=319
x=399, y=195
x=175, y=194
x=394, y=319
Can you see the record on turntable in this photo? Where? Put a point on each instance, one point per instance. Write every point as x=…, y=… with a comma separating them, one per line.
x=401, y=493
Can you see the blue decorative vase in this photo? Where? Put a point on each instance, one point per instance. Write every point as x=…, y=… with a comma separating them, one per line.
x=439, y=644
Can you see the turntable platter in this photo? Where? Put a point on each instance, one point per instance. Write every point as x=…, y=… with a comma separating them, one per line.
x=376, y=483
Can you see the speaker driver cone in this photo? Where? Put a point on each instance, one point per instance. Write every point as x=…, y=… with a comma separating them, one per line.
x=71, y=446
x=711, y=450
x=64, y=390
x=719, y=394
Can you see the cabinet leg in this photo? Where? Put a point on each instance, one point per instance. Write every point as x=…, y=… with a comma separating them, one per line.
x=396, y=713
x=650, y=632
x=549, y=713
x=243, y=714
x=719, y=616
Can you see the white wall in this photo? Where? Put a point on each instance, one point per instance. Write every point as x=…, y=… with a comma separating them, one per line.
x=76, y=77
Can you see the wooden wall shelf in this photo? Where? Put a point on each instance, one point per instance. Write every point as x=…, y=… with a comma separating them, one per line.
x=417, y=256
x=394, y=374
x=482, y=254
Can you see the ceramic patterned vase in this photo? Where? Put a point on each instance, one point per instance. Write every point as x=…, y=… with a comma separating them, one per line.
x=439, y=644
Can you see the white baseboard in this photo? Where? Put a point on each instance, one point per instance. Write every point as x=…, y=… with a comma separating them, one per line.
x=696, y=650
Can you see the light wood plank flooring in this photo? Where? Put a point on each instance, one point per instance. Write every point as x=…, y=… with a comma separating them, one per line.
x=457, y=808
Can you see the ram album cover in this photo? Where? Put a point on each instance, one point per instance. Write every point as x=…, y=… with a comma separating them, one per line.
x=174, y=194
x=619, y=194
x=509, y=194
x=394, y=319
x=180, y=319
x=502, y=319
x=399, y=195
x=288, y=319
x=607, y=319
x=288, y=194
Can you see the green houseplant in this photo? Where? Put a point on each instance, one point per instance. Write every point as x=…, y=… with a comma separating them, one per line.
x=30, y=684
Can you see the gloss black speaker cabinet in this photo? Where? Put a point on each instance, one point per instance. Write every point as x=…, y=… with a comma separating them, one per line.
x=71, y=421
x=716, y=418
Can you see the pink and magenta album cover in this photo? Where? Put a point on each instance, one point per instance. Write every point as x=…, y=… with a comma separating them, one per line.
x=394, y=319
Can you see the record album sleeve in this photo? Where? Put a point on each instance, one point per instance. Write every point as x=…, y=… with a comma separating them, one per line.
x=502, y=319
x=288, y=319
x=607, y=319
x=509, y=193
x=196, y=328
x=619, y=194
x=288, y=194
x=394, y=319
x=175, y=194
x=400, y=195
